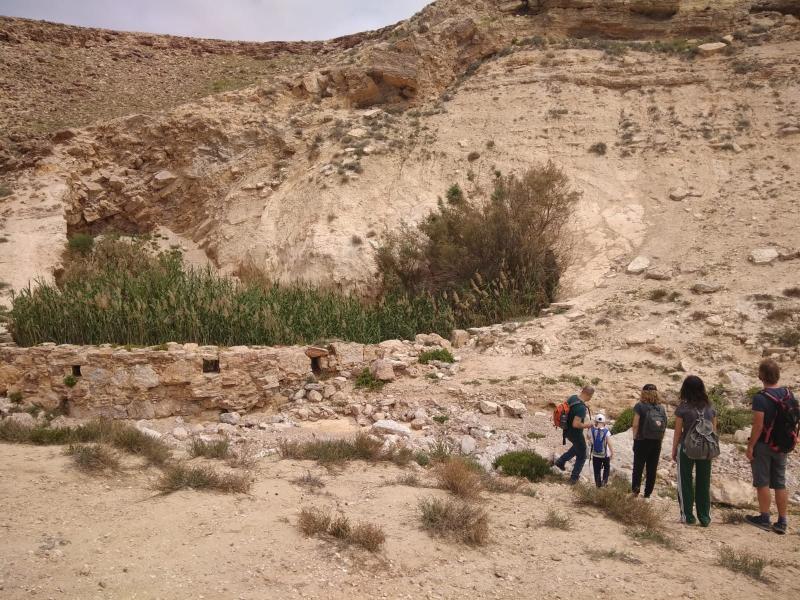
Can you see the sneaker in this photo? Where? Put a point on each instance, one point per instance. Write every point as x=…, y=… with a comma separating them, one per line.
x=558, y=465
x=780, y=527
x=758, y=521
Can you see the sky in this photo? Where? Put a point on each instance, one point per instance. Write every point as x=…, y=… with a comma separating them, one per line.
x=250, y=20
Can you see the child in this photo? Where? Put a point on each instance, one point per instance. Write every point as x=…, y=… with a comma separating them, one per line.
x=601, y=450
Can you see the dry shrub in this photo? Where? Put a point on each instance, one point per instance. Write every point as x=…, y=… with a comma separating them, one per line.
x=361, y=447
x=555, y=520
x=219, y=449
x=180, y=476
x=458, y=520
x=320, y=523
x=244, y=457
x=310, y=481
x=460, y=476
x=489, y=260
x=616, y=501
x=93, y=458
x=744, y=562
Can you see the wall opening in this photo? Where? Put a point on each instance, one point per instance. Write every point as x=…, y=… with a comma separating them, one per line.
x=210, y=366
x=76, y=370
x=316, y=366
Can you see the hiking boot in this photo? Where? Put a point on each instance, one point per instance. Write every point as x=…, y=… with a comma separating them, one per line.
x=557, y=465
x=780, y=527
x=759, y=521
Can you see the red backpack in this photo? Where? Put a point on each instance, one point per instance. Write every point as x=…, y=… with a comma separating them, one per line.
x=561, y=415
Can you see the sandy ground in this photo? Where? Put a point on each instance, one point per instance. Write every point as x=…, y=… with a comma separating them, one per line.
x=68, y=535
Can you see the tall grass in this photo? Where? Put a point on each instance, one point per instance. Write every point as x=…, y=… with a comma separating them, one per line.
x=122, y=294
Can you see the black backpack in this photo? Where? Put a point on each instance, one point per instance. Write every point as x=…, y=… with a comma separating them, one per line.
x=653, y=425
x=781, y=435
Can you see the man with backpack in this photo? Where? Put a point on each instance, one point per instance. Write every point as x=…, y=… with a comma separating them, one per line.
x=572, y=419
x=776, y=421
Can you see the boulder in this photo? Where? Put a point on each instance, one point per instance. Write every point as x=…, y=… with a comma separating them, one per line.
x=763, y=256
x=468, y=445
x=638, y=265
x=459, y=338
x=657, y=274
x=22, y=418
x=737, y=381
x=488, y=408
x=231, y=418
x=180, y=433
x=711, y=48
x=706, y=287
x=731, y=491
x=743, y=435
x=389, y=427
x=515, y=408
x=382, y=370
x=164, y=178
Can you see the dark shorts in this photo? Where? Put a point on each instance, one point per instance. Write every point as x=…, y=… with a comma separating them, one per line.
x=769, y=468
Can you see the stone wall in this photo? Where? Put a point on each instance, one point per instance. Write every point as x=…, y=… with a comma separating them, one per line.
x=176, y=379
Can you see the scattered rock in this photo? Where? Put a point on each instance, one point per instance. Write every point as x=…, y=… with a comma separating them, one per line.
x=459, y=338
x=164, y=178
x=712, y=48
x=706, y=287
x=468, y=445
x=515, y=408
x=389, y=427
x=731, y=491
x=638, y=265
x=230, y=418
x=382, y=370
x=763, y=256
x=657, y=274
x=489, y=408
x=743, y=435
x=180, y=433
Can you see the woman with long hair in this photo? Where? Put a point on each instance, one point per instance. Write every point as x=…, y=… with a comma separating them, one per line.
x=694, y=475
x=649, y=426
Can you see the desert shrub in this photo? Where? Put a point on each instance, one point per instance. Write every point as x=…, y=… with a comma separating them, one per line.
x=136, y=442
x=612, y=554
x=15, y=397
x=361, y=447
x=455, y=519
x=460, y=476
x=792, y=292
x=556, y=520
x=658, y=295
x=617, y=502
x=320, y=523
x=70, y=381
x=440, y=355
x=599, y=148
x=729, y=419
x=92, y=458
x=310, y=481
x=788, y=338
x=122, y=293
x=473, y=156
x=441, y=419
x=180, y=476
x=524, y=463
x=454, y=194
x=623, y=422
x=81, y=243
x=219, y=449
x=367, y=381
x=491, y=261
x=743, y=561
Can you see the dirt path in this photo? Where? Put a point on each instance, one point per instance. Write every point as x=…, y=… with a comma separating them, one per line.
x=67, y=535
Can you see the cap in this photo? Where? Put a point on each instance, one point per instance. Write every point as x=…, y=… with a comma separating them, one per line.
x=599, y=419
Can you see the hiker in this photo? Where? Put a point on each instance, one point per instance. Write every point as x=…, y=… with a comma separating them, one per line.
x=575, y=423
x=774, y=435
x=694, y=446
x=602, y=451
x=649, y=427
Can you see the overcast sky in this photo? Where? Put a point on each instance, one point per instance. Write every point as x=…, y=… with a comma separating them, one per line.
x=252, y=20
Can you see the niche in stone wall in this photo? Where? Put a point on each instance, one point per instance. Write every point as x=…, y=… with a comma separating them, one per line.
x=210, y=365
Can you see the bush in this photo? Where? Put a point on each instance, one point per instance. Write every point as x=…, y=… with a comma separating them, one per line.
x=440, y=355
x=617, y=502
x=623, y=422
x=459, y=520
x=555, y=520
x=314, y=522
x=454, y=194
x=70, y=381
x=599, y=148
x=489, y=261
x=460, y=476
x=729, y=419
x=179, y=477
x=81, y=243
x=523, y=463
x=92, y=458
x=215, y=449
x=743, y=562
x=361, y=447
x=367, y=381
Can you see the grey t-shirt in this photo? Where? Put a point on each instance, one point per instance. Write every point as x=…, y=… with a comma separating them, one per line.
x=689, y=415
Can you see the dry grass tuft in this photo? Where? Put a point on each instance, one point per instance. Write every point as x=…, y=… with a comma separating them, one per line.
x=455, y=519
x=555, y=520
x=244, y=457
x=744, y=562
x=361, y=447
x=310, y=481
x=616, y=501
x=613, y=555
x=320, y=523
x=94, y=459
x=180, y=476
x=219, y=449
x=460, y=476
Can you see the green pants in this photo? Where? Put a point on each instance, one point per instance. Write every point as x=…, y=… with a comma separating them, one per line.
x=694, y=491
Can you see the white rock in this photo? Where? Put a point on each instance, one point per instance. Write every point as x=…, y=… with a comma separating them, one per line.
x=388, y=427
x=22, y=418
x=740, y=383
x=180, y=433
x=763, y=256
x=743, y=435
x=231, y=418
x=314, y=396
x=638, y=265
x=488, y=408
x=733, y=492
x=714, y=320
x=164, y=178
x=468, y=444
x=515, y=407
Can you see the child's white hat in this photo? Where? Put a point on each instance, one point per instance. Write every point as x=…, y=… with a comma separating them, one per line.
x=600, y=419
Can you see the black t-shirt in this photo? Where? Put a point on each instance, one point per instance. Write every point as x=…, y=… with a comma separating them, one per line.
x=763, y=404
x=641, y=409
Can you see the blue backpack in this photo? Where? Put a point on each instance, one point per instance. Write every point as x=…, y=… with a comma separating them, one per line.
x=599, y=440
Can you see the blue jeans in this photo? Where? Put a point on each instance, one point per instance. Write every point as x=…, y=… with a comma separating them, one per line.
x=576, y=451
